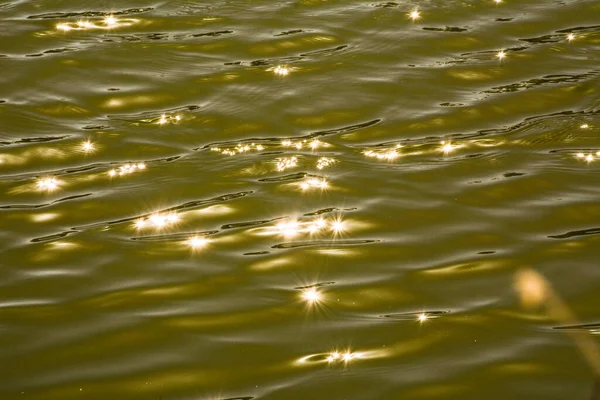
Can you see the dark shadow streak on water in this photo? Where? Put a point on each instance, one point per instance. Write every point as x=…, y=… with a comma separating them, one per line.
x=90, y=14
x=34, y=206
x=583, y=232
x=324, y=243
x=173, y=237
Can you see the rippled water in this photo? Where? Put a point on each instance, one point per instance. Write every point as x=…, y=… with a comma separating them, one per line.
x=208, y=200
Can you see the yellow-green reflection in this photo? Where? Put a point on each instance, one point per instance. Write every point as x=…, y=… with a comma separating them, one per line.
x=107, y=23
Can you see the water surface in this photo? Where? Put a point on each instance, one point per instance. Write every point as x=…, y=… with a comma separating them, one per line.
x=274, y=193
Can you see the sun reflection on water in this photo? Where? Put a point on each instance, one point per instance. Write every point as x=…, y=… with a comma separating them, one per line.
x=107, y=23
x=286, y=162
x=157, y=221
x=50, y=184
x=126, y=169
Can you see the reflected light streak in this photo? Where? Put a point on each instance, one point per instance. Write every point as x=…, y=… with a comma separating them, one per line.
x=126, y=169
x=197, y=242
x=312, y=296
x=288, y=229
x=317, y=225
x=281, y=70
x=239, y=149
x=414, y=15
x=63, y=27
x=285, y=163
x=84, y=24
x=587, y=157
x=325, y=162
x=337, y=226
x=295, y=227
x=314, y=183
x=157, y=221
x=447, y=147
x=165, y=119
x=88, y=146
x=584, y=126
x=48, y=184
x=110, y=21
x=345, y=357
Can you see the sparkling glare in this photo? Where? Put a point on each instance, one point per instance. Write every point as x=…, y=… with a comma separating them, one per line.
x=588, y=157
x=110, y=20
x=422, y=317
x=414, y=15
x=88, y=146
x=126, y=169
x=157, y=221
x=48, y=184
x=197, y=242
x=570, y=37
x=314, y=183
x=584, y=126
x=288, y=229
x=285, y=163
x=447, y=147
x=312, y=296
x=318, y=225
x=325, y=162
x=281, y=70
x=337, y=226
x=501, y=55
x=85, y=24
x=239, y=149
x=63, y=27
x=385, y=154
x=342, y=357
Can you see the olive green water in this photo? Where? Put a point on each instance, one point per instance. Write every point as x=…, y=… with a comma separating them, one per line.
x=176, y=257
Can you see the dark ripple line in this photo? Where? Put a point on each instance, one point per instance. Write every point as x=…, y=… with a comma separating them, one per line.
x=446, y=29
x=188, y=205
x=326, y=52
x=256, y=253
x=173, y=237
x=583, y=232
x=546, y=80
x=53, y=236
x=328, y=210
x=328, y=243
x=315, y=285
x=410, y=316
x=292, y=32
x=249, y=224
x=580, y=327
x=345, y=129
x=291, y=177
x=55, y=15
x=35, y=140
x=71, y=170
x=34, y=206
x=526, y=122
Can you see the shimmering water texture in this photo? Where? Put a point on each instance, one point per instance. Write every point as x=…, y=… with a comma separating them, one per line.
x=303, y=199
